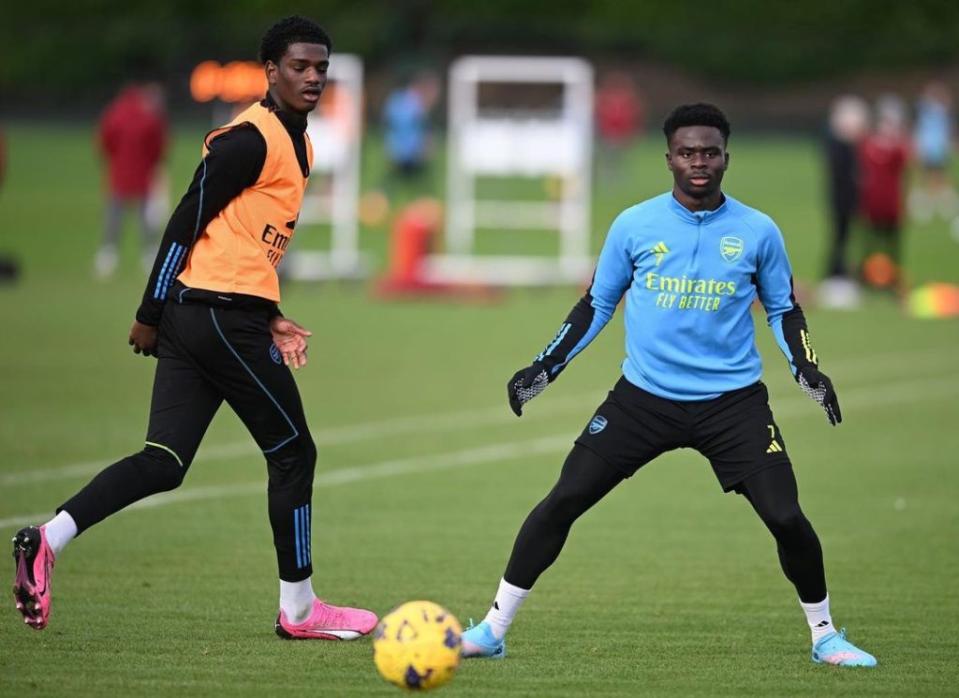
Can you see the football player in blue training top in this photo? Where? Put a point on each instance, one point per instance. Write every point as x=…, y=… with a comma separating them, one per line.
x=690, y=263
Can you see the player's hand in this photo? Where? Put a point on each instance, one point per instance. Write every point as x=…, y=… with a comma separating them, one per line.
x=525, y=385
x=818, y=386
x=143, y=339
x=290, y=339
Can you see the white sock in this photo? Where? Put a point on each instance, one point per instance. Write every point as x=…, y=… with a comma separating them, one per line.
x=817, y=615
x=296, y=599
x=60, y=530
x=507, y=602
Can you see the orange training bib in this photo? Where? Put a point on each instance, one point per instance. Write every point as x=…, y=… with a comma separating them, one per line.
x=239, y=250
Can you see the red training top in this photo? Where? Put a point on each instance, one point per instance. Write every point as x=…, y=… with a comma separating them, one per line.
x=883, y=163
x=133, y=139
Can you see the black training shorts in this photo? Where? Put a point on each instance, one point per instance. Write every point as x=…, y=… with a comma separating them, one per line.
x=735, y=431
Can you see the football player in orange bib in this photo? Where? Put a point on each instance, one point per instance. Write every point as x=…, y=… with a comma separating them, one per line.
x=210, y=316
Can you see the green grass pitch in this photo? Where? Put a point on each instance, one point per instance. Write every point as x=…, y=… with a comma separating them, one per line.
x=667, y=588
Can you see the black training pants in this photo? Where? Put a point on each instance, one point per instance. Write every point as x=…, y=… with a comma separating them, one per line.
x=586, y=478
x=206, y=355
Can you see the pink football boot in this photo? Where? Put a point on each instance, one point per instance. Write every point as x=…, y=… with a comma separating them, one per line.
x=328, y=622
x=31, y=586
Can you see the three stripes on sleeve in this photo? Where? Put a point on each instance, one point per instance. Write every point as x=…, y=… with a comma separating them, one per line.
x=168, y=272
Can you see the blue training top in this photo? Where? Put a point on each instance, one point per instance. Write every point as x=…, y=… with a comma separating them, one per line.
x=406, y=125
x=689, y=279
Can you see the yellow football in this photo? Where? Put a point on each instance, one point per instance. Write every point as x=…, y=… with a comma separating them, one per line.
x=416, y=646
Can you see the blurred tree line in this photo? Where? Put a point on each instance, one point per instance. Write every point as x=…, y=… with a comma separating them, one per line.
x=57, y=50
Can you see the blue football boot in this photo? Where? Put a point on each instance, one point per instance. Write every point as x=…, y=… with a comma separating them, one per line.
x=835, y=649
x=479, y=641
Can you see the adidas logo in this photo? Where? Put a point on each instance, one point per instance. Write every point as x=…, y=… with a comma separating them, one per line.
x=774, y=446
x=659, y=250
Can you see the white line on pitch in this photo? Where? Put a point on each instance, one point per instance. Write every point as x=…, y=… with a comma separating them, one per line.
x=441, y=422
x=862, y=399
x=343, y=476
x=333, y=436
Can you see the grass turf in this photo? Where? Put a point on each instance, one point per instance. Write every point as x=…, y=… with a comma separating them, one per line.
x=667, y=588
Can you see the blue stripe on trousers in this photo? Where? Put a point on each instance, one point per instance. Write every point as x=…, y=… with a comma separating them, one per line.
x=259, y=383
x=296, y=537
x=309, y=533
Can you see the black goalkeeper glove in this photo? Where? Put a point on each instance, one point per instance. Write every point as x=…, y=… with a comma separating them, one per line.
x=818, y=386
x=525, y=385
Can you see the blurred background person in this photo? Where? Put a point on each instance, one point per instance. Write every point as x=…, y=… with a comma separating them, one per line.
x=133, y=139
x=848, y=123
x=8, y=268
x=406, y=125
x=883, y=161
x=619, y=119
x=934, y=194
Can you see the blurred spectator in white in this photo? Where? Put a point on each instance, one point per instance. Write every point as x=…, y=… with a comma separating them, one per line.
x=132, y=139
x=406, y=121
x=883, y=159
x=619, y=118
x=848, y=124
x=934, y=194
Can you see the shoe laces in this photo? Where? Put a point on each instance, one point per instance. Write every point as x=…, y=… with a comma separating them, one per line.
x=331, y=615
x=839, y=635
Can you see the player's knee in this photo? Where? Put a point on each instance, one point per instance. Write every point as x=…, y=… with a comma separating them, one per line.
x=161, y=469
x=295, y=460
x=305, y=459
x=309, y=453
x=786, y=523
x=561, y=507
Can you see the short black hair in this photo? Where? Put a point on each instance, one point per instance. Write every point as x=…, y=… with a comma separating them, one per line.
x=291, y=30
x=699, y=114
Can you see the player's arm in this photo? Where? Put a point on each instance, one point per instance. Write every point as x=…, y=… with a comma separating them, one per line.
x=589, y=316
x=774, y=285
x=233, y=163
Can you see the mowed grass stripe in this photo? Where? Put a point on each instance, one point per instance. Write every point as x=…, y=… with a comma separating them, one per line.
x=335, y=436
x=862, y=399
x=877, y=364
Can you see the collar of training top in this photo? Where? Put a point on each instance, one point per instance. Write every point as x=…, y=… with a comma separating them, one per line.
x=697, y=216
x=295, y=123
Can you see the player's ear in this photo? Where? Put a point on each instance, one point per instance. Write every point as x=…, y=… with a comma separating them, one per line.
x=669, y=161
x=726, y=161
x=271, y=69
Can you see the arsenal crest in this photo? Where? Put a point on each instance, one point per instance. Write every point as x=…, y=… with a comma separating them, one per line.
x=731, y=248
